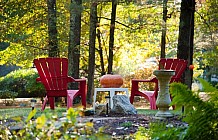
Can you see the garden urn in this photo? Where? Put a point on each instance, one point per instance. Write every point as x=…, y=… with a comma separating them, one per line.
x=163, y=99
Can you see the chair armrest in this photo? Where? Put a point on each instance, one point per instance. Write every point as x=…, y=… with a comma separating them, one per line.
x=71, y=79
x=82, y=85
x=143, y=80
x=135, y=83
x=80, y=80
x=38, y=79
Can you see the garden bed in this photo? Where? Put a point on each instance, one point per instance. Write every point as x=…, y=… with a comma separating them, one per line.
x=115, y=125
x=119, y=125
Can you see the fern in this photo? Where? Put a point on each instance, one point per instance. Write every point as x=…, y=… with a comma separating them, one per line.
x=207, y=87
x=200, y=115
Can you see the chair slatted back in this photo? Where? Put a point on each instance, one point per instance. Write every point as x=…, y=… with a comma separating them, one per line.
x=178, y=65
x=53, y=72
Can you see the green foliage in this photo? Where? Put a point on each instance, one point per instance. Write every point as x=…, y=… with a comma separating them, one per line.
x=126, y=124
x=163, y=131
x=49, y=126
x=206, y=35
x=23, y=82
x=200, y=115
x=137, y=32
x=207, y=87
x=4, y=94
x=210, y=90
x=24, y=29
x=9, y=113
x=142, y=134
x=7, y=94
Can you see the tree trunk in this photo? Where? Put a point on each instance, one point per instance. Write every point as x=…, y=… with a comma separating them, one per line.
x=111, y=41
x=74, y=39
x=52, y=29
x=164, y=30
x=91, y=64
x=100, y=51
x=186, y=35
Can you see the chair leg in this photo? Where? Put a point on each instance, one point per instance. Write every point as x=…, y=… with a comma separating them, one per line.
x=131, y=99
x=153, y=103
x=69, y=100
x=174, y=107
x=83, y=98
x=44, y=103
x=51, y=102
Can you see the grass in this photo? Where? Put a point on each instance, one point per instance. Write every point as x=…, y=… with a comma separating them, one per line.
x=146, y=111
x=15, y=112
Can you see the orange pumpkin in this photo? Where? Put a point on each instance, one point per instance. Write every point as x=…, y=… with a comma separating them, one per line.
x=191, y=67
x=111, y=81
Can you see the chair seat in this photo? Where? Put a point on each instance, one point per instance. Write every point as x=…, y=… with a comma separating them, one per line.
x=149, y=93
x=150, y=96
x=71, y=94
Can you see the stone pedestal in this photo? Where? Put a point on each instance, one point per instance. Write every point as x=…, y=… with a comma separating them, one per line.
x=163, y=99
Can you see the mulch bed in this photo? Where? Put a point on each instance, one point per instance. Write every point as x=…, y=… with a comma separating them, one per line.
x=118, y=125
x=122, y=125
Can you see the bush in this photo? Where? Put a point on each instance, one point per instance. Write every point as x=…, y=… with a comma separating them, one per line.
x=4, y=94
x=23, y=82
x=141, y=73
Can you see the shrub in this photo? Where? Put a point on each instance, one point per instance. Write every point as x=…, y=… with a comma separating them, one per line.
x=4, y=94
x=141, y=73
x=23, y=82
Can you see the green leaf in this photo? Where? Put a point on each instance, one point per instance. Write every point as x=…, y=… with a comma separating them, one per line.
x=31, y=115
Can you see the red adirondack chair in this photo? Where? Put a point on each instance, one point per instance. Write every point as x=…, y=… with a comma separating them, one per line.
x=53, y=74
x=179, y=65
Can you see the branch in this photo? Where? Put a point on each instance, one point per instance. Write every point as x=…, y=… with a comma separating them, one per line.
x=205, y=22
x=35, y=47
x=117, y=22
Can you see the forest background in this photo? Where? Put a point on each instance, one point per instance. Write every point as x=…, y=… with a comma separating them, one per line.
x=137, y=35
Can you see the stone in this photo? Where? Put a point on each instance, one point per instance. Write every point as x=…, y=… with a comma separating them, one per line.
x=100, y=109
x=122, y=105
